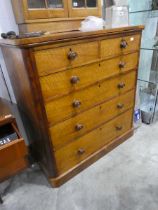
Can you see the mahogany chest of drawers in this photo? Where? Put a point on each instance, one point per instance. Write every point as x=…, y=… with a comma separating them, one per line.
x=76, y=94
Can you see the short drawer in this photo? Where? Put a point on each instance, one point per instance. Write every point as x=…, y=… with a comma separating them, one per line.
x=61, y=83
x=57, y=59
x=71, y=155
x=73, y=128
x=118, y=46
x=74, y=103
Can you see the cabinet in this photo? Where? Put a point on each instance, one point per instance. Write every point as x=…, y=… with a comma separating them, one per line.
x=47, y=15
x=76, y=94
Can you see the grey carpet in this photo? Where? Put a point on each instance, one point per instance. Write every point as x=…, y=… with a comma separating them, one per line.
x=125, y=179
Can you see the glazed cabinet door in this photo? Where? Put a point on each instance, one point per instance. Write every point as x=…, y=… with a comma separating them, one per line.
x=84, y=8
x=40, y=9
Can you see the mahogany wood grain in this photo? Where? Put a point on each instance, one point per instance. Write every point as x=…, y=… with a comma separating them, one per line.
x=62, y=108
x=69, y=156
x=59, y=84
x=65, y=132
x=25, y=86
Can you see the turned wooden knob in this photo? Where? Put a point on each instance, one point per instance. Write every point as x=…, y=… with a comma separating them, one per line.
x=123, y=44
x=78, y=127
x=81, y=151
x=119, y=127
x=72, y=55
x=121, y=85
x=122, y=65
x=74, y=79
x=120, y=106
x=76, y=104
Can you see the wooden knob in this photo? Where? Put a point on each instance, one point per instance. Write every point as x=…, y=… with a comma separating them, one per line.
x=119, y=128
x=78, y=127
x=123, y=44
x=120, y=106
x=74, y=79
x=76, y=104
x=122, y=65
x=121, y=85
x=72, y=55
x=81, y=151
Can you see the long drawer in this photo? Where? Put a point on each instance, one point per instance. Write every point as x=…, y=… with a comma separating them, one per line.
x=58, y=84
x=73, y=128
x=57, y=59
x=74, y=103
x=117, y=46
x=74, y=153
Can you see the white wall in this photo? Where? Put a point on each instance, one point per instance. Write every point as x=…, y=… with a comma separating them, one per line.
x=7, y=23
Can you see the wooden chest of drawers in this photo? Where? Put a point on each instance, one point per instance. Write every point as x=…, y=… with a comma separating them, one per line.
x=76, y=94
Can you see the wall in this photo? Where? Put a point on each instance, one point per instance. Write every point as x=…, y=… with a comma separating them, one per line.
x=7, y=23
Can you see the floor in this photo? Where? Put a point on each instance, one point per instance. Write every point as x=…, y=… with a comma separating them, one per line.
x=125, y=179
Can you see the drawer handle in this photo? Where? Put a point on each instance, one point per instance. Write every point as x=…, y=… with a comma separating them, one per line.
x=122, y=65
x=123, y=44
x=76, y=104
x=121, y=85
x=81, y=151
x=119, y=128
x=74, y=79
x=72, y=55
x=120, y=106
x=79, y=127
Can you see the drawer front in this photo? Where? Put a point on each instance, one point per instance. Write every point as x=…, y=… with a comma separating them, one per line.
x=74, y=153
x=57, y=59
x=118, y=46
x=74, y=103
x=61, y=83
x=67, y=131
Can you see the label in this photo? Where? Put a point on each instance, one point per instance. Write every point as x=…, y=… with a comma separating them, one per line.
x=132, y=39
x=137, y=115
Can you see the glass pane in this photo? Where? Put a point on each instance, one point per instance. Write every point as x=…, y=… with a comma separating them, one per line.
x=148, y=96
x=91, y=3
x=78, y=3
x=55, y=3
x=36, y=4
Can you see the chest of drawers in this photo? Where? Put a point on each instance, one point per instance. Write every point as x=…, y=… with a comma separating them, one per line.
x=76, y=94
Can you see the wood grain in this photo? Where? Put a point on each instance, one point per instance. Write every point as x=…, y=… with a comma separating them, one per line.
x=59, y=84
x=60, y=109
x=63, y=178
x=65, y=132
x=69, y=156
x=112, y=46
x=54, y=60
